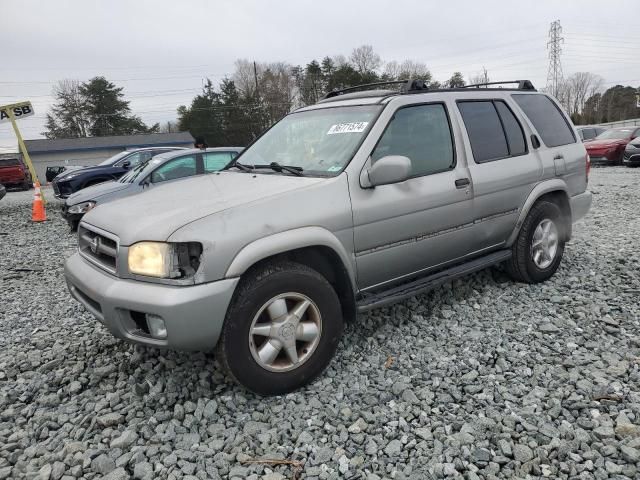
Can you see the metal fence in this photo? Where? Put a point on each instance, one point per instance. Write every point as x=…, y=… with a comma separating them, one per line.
x=621, y=123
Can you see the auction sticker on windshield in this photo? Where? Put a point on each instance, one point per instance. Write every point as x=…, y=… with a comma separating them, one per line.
x=351, y=127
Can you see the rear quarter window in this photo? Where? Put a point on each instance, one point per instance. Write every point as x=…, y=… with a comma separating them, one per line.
x=546, y=117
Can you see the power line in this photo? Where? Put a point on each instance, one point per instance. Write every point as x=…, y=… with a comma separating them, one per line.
x=554, y=75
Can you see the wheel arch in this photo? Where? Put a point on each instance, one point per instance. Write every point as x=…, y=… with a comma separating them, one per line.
x=315, y=247
x=553, y=190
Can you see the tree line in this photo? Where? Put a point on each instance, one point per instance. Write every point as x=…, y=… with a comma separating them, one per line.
x=583, y=96
x=256, y=95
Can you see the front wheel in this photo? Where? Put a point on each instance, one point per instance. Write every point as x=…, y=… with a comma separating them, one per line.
x=282, y=328
x=537, y=251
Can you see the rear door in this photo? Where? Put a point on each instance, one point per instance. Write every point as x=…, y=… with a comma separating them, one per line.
x=562, y=153
x=502, y=168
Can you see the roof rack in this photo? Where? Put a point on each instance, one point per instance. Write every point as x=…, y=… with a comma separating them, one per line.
x=407, y=86
x=522, y=84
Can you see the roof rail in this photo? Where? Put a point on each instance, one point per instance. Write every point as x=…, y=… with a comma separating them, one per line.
x=406, y=87
x=522, y=84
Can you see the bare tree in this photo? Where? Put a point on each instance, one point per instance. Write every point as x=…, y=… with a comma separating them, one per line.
x=574, y=91
x=364, y=59
x=482, y=77
x=407, y=69
x=69, y=117
x=170, y=127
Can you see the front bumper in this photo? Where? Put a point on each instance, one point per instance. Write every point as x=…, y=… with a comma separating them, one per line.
x=193, y=315
x=580, y=205
x=631, y=159
x=61, y=190
x=73, y=219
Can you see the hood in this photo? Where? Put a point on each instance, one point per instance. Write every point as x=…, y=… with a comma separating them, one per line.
x=96, y=191
x=83, y=170
x=158, y=212
x=593, y=144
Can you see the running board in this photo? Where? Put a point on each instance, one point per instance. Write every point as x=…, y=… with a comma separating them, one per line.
x=420, y=285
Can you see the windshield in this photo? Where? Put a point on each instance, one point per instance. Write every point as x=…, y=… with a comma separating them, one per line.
x=114, y=159
x=320, y=141
x=615, y=134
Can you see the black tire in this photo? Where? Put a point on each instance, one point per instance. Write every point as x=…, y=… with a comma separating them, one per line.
x=521, y=266
x=253, y=293
x=26, y=186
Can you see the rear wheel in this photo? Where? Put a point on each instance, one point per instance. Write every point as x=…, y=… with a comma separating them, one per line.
x=282, y=328
x=537, y=252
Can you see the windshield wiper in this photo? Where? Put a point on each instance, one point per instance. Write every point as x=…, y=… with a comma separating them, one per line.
x=287, y=168
x=238, y=165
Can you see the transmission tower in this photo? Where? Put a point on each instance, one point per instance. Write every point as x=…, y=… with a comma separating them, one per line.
x=554, y=76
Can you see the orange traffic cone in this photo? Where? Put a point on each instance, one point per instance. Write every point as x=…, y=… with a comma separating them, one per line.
x=38, y=214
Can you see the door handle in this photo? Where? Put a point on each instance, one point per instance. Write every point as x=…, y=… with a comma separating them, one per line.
x=462, y=182
x=558, y=157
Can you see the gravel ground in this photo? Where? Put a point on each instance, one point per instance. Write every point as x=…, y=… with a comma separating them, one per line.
x=483, y=378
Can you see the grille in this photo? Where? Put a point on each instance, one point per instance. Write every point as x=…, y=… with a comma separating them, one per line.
x=56, y=189
x=98, y=248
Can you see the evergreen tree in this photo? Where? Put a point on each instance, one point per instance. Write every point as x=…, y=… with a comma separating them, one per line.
x=203, y=117
x=92, y=109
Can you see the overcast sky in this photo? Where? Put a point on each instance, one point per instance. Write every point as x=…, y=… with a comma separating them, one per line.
x=160, y=51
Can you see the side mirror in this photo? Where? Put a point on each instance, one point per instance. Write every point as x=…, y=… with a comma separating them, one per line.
x=387, y=170
x=126, y=164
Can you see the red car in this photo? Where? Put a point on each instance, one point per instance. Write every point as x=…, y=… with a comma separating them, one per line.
x=13, y=173
x=608, y=147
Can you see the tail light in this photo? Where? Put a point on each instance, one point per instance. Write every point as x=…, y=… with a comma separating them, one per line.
x=587, y=162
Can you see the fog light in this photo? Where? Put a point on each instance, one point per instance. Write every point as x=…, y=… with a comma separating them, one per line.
x=156, y=325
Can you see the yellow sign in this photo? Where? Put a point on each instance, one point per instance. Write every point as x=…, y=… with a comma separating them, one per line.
x=19, y=110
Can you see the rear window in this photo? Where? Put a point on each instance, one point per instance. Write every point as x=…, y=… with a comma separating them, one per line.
x=547, y=118
x=9, y=162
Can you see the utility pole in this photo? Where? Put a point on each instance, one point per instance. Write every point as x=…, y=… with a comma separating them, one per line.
x=554, y=45
x=255, y=75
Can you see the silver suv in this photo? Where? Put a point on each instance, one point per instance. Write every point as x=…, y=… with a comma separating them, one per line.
x=364, y=199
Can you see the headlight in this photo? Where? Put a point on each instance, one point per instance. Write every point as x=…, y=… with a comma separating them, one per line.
x=83, y=207
x=164, y=260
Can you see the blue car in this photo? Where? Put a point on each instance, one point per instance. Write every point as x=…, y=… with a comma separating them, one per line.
x=163, y=168
x=111, y=169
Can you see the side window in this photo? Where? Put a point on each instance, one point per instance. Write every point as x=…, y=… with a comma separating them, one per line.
x=549, y=121
x=214, y=161
x=512, y=129
x=176, y=168
x=421, y=133
x=488, y=141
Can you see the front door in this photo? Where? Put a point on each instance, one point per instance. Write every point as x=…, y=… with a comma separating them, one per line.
x=424, y=222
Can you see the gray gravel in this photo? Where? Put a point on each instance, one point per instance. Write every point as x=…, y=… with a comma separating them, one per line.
x=480, y=379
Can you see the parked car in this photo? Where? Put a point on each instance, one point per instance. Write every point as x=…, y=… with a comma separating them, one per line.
x=361, y=200
x=53, y=172
x=111, y=169
x=14, y=173
x=608, y=147
x=631, y=157
x=162, y=168
x=589, y=132
x=3, y=191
